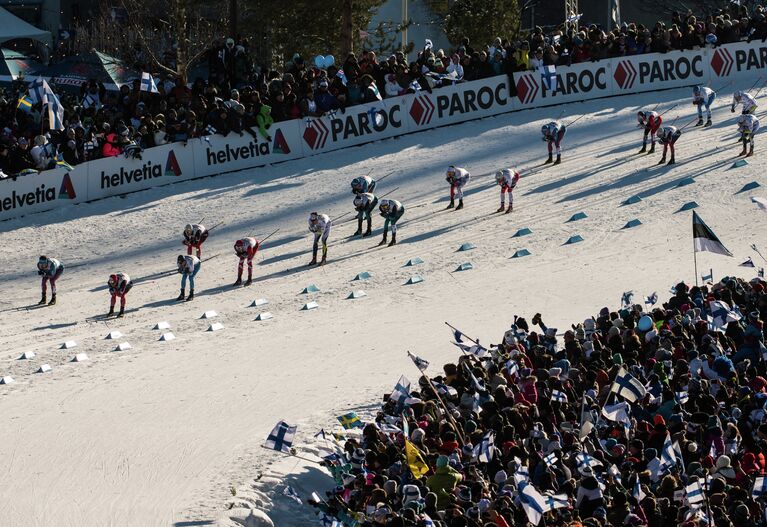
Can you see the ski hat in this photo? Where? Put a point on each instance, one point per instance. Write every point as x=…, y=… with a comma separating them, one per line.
x=442, y=461
x=390, y=486
x=500, y=477
x=410, y=493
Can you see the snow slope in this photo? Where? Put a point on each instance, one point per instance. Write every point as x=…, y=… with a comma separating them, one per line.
x=166, y=433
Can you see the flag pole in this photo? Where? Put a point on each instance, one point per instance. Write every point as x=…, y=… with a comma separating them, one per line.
x=293, y=454
x=444, y=406
x=695, y=259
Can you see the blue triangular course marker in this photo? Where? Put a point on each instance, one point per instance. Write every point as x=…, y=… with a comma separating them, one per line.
x=688, y=206
x=364, y=275
x=520, y=253
x=416, y=278
x=310, y=305
x=466, y=247
x=739, y=163
x=577, y=216
x=749, y=186
x=524, y=231
x=684, y=182
x=574, y=239
x=310, y=289
x=632, y=200
x=413, y=261
x=632, y=223
x=356, y=294
x=465, y=267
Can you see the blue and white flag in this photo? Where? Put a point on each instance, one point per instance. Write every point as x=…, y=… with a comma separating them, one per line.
x=426, y=521
x=556, y=501
x=533, y=503
x=485, y=449
x=558, y=396
x=694, y=492
x=613, y=471
x=748, y=263
x=584, y=460
x=618, y=413
x=637, y=491
x=512, y=367
x=682, y=397
x=281, y=437
x=760, y=487
x=549, y=76
x=708, y=277
x=329, y=521
x=667, y=455
x=521, y=472
x=551, y=459
x=420, y=363
x=444, y=389
x=721, y=314
x=627, y=298
x=628, y=387
x=401, y=391
x=36, y=90
x=210, y=130
x=652, y=299
x=291, y=493
x=55, y=113
x=341, y=75
x=147, y=83
x=333, y=459
x=574, y=18
x=474, y=349
x=91, y=100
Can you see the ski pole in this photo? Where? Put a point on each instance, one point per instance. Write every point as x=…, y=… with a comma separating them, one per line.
x=575, y=121
x=216, y=225
x=753, y=246
x=695, y=120
x=668, y=110
x=272, y=234
x=760, y=89
x=754, y=86
x=723, y=86
x=655, y=107
x=387, y=175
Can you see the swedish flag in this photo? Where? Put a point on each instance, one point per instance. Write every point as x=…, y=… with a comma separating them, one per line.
x=25, y=105
x=350, y=420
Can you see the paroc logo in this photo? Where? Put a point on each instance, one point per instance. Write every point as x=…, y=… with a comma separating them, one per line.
x=67, y=190
x=422, y=110
x=527, y=88
x=172, y=167
x=316, y=134
x=625, y=74
x=722, y=62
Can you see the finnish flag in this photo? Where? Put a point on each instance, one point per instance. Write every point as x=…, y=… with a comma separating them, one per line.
x=420, y=363
x=721, y=314
x=652, y=299
x=401, y=391
x=551, y=459
x=667, y=455
x=147, y=83
x=558, y=396
x=281, y=437
x=533, y=503
x=760, y=487
x=694, y=493
x=637, y=492
x=628, y=387
x=549, y=76
x=556, y=501
x=291, y=493
x=485, y=449
x=585, y=460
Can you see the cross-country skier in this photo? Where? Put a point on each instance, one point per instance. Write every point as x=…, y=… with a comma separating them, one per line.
x=458, y=178
x=50, y=269
x=194, y=236
x=391, y=210
x=703, y=96
x=507, y=179
x=553, y=133
x=651, y=122
x=320, y=225
x=667, y=136
x=245, y=248
x=365, y=203
x=363, y=184
x=188, y=267
x=748, y=125
x=119, y=285
x=749, y=103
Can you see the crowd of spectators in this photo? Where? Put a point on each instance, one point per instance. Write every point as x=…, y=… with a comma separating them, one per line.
x=242, y=98
x=557, y=425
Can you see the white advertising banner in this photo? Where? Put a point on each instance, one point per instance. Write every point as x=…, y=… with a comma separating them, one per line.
x=47, y=190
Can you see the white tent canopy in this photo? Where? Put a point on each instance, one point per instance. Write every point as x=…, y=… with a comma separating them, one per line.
x=12, y=27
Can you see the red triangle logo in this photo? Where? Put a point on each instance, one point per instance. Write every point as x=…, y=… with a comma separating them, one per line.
x=67, y=190
x=172, y=167
x=280, y=144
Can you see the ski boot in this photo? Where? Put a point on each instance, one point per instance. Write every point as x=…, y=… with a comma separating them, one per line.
x=53, y=300
x=708, y=123
x=700, y=122
x=652, y=149
x=743, y=152
x=393, y=239
x=180, y=297
x=671, y=161
x=111, y=311
x=237, y=282
x=191, y=295
x=750, y=153
x=383, y=240
x=511, y=208
x=368, y=232
x=643, y=150
x=452, y=204
x=357, y=232
x=43, y=300
x=248, y=281
x=559, y=159
x=324, y=259
x=460, y=204
x=662, y=160
x=549, y=160
x=121, y=314
x=501, y=208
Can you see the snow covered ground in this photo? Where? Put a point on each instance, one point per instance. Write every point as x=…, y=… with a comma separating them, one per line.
x=167, y=432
